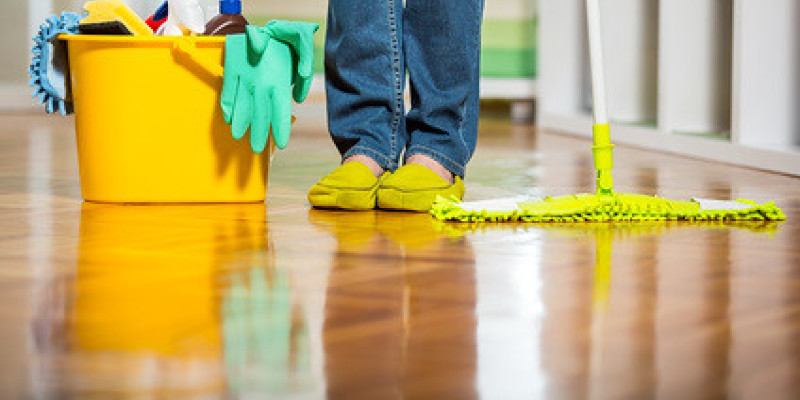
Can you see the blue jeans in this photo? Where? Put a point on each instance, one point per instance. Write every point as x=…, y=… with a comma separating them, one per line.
x=370, y=45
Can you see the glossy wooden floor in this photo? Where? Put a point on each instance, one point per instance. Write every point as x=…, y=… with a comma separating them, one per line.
x=280, y=301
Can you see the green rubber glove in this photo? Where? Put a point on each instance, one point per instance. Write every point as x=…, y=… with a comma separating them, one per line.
x=300, y=36
x=257, y=86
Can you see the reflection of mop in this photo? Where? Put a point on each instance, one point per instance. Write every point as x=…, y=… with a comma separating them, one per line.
x=604, y=205
x=601, y=289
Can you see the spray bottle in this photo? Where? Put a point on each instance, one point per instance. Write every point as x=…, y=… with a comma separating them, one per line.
x=183, y=16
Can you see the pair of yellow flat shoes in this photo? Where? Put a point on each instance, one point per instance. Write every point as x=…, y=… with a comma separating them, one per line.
x=353, y=186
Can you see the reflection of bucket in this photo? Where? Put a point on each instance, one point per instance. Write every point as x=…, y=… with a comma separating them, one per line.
x=148, y=123
x=145, y=305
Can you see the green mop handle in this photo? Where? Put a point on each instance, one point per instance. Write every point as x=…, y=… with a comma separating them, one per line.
x=602, y=148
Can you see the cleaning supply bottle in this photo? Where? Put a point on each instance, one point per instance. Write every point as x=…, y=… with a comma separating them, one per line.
x=184, y=17
x=158, y=18
x=229, y=21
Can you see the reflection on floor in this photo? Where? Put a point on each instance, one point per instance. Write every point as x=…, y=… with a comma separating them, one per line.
x=278, y=300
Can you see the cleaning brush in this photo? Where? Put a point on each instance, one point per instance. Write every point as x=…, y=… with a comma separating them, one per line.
x=111, y=17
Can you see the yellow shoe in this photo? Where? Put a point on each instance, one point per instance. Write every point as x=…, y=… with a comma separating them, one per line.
x=414, y=187
x=352, y=186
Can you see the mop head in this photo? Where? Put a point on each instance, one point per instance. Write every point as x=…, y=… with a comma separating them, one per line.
x=603, y=208
x=49, y=69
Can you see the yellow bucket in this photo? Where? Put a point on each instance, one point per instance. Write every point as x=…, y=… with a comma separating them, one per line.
x=148, y=123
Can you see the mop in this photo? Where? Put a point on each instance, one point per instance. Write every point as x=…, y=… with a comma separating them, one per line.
x=604, y=205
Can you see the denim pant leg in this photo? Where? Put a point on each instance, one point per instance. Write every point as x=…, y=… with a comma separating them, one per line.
x=365, y=77
x=442, y=47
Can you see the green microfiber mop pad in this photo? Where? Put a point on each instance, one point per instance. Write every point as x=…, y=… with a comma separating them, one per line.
x=604, y=208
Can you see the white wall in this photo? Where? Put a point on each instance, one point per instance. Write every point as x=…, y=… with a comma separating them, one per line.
x=19, y=22
x=15, y=44
x=728, y=78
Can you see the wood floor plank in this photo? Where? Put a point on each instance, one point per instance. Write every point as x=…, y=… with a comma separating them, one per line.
x=278, y=300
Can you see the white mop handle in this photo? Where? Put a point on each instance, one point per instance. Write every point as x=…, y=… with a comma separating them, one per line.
x=596, y=61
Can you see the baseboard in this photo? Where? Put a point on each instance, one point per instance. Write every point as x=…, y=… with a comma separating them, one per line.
x=491, y=88
x=785, y=161
x=508, y=88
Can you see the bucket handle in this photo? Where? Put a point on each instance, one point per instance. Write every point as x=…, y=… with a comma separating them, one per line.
x=187, y=46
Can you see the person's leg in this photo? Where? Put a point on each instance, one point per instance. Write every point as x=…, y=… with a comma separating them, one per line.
x=441, y=41
x=364, y=76
x=442, y=48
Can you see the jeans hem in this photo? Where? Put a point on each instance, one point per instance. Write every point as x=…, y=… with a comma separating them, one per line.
x=385, y=162
x=451, y=165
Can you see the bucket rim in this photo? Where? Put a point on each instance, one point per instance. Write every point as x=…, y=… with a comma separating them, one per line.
x=139, y=38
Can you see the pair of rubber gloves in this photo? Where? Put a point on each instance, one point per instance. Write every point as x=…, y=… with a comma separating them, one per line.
x=264, y=69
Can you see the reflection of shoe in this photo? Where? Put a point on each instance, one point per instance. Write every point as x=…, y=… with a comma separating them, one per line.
x=410, y=230
x=414, y=188
x=352, y=186
x=348, y=228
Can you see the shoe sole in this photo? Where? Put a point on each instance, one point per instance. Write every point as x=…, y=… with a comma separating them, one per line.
x=349, y=200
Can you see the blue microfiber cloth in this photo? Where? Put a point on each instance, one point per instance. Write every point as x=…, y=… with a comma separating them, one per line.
x=49, y=70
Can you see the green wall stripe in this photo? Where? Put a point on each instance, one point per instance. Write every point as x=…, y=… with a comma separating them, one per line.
x=504, y=63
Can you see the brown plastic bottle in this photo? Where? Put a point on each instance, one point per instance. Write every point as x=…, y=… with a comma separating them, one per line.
x=229, y=21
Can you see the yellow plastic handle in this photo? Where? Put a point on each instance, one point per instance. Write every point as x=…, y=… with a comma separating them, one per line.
x=603, y=160
x=187, y=46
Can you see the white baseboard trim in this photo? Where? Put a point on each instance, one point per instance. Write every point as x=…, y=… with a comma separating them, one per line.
x=785, y=161
x=491, y=88
x=317, y=84
x=508, y=88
